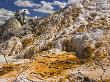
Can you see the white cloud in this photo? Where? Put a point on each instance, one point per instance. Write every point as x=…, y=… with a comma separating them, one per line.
x=44, y=11
x=73, y=1
x=36, y=5
x=5, y=15
x=23, y=3
x=60, y=4
x=46, y=5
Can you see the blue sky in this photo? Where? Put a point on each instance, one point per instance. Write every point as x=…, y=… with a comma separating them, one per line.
x=35, y=7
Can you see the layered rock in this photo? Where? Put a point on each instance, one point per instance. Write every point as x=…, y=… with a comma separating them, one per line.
x=76, y=35
x=71, y=29
x=11, y=47
x=13, y=28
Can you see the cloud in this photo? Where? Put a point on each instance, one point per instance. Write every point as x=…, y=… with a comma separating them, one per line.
x=23, y=3
x=64, y=4
x=73, y=1
x=5, y=15
x=45, y=7
x=36, y=5
x=26, y=3
x=44, y=11
x=60, y=4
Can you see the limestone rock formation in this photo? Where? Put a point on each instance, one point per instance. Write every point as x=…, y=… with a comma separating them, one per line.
x=9, y=28
x=12, y=24
x=11, y=47
x=13, y=28
x=58, y=47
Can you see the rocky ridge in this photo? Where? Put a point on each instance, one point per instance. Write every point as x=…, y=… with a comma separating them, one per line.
x=68, y=44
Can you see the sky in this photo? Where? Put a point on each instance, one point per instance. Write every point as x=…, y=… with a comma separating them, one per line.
x=35, y=8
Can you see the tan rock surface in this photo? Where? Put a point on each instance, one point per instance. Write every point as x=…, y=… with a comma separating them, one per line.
x=68, y=44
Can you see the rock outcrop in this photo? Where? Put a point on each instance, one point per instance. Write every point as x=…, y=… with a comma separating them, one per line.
x=11, y=47
x=59, y=46
x=13, y=28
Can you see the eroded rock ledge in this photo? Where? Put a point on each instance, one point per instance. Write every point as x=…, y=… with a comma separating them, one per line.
x=71, y=43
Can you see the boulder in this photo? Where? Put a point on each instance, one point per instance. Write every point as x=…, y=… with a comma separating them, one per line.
x=100, y=53
x=87, y=51
x=9, y=28
x=11, y=47
x=12, y=24
x=79, y=77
